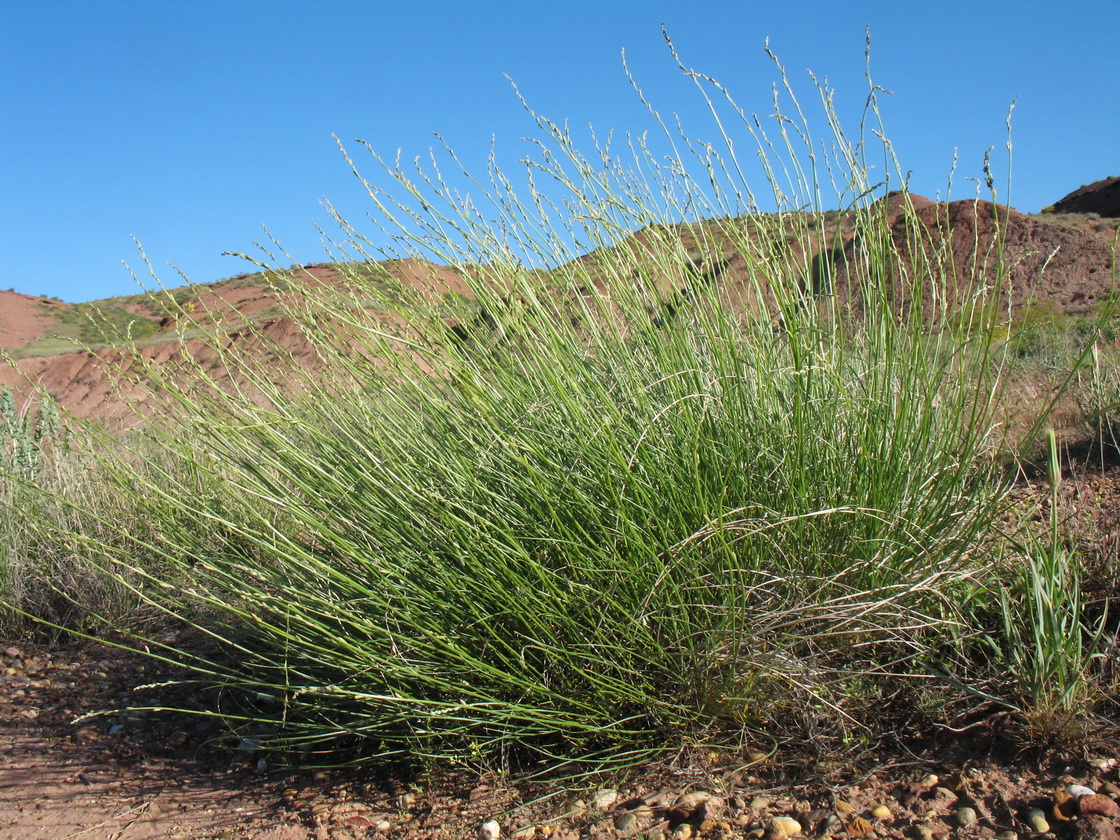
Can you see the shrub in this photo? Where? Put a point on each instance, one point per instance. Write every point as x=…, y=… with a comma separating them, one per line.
x=613, y=496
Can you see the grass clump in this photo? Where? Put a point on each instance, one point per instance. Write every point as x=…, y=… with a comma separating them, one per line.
x=632, y=481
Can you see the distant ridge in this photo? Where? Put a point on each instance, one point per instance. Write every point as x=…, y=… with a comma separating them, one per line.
x=1100, y=197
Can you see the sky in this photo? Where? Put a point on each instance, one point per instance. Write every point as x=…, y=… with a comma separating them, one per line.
x=187, y=125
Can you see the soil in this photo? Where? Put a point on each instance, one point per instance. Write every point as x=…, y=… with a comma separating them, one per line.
x=74, y=763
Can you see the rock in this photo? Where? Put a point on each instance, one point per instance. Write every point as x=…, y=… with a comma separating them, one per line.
x=662, y=798
x=759, y=803
x=1099, y=804
x=930, y=780
x=922, y=832
x=780, y=828
x=1077, y=791
x=489, y=830
x=966, y=816
x=712, y=809
x=832, y=824
x=881, y=812
x=1096, y=827
x=844, y=807
x=683, y=832
x=1007, y=835
x=1111, y=789
x=859, y=827
x=13, y=653
x=603, y=799
x=625, y=821
x=1037, y=821
x=1065, y=806
x=1102, y=763
x=527, y=832
x=382, y=826
x=691, y=802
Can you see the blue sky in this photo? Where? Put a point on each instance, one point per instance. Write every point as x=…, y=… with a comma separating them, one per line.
x=189, y=124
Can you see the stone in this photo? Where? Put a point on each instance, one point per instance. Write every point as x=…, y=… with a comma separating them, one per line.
x=1037, y=821
x=1077, y=791
x=859, y=827
x=881, y=812
x=603, y=799
x=712, y=809
x=1099, y=804
x=683, y=832
x=922, y=832
x=844, y=807
x=625, y=821
x=930, y=780
x=1096, y=827
x=779, y=828
x=1111, y=789
x=691, y=802
x=759, y=803
x=1064, y=807
x=1007, y=835
x=489, y=830
x=966, y=816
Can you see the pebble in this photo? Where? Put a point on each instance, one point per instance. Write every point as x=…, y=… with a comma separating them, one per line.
x=881, y=812
x=844, y=807
x=1098, y=803
x=781, y=827
x=683, y=832
x=489, y=830
x=1077, y=791
x=713, y=809
x=382, y=826
x=625, y=821
x=1037, y=821
x=604, y=798
x=1102, y=763
x=1111, y=789
x=1007, y=835
x=832, y=825
x=759, y=803
x=923, y=832
x=966, y=816
x=930, y=780
x=692, y=801
x=859, y=827
x=1065, y=806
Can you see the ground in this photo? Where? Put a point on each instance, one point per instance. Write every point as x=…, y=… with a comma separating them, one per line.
x=127, y=776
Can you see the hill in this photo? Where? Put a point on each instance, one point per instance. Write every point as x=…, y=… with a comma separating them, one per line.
x=1064, y=262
